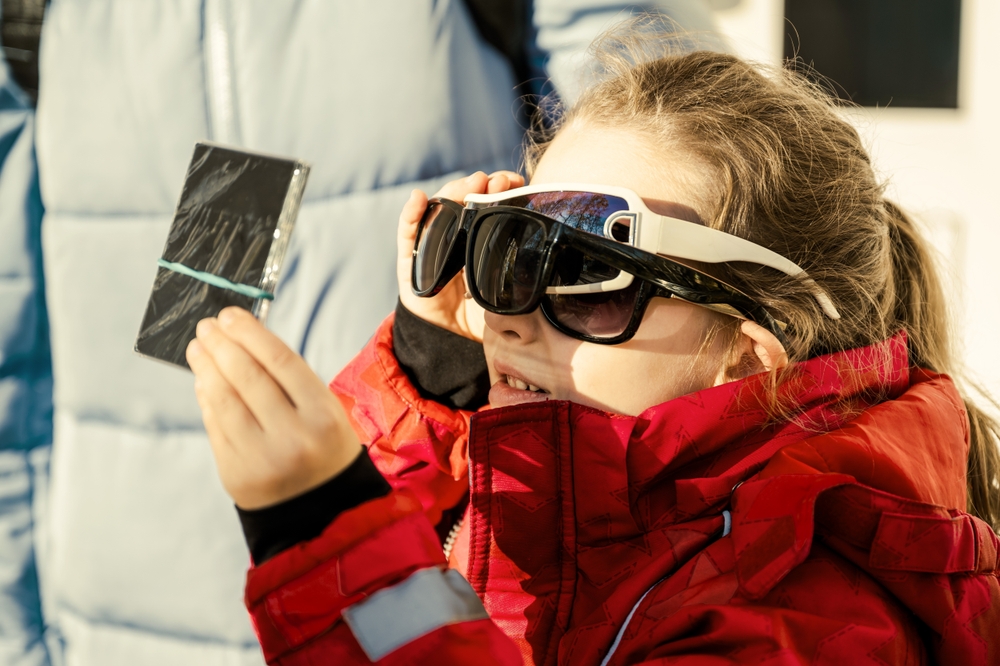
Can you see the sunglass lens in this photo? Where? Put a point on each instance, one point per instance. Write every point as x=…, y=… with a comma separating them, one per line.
x=439, y=227
x=604, y=314
x=508, y=253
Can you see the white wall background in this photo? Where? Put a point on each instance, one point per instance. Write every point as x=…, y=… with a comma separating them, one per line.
x=941, y=164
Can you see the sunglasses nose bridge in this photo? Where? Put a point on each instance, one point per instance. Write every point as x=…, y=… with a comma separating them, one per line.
x=465, y=217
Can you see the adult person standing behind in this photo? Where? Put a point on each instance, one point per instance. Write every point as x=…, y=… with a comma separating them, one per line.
x=25, y=366
x=136, y=544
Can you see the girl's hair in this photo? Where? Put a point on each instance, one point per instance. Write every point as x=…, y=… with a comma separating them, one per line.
x=793, y=176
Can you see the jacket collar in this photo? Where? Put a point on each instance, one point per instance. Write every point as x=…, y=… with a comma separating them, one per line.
x=567, y=502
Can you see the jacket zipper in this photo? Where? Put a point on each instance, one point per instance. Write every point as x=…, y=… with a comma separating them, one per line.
x=449, y=543
x=727, y=527
x=219, y=79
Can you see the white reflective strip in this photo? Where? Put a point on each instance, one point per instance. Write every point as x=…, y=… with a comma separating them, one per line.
x=727, y=527
x=428, y=599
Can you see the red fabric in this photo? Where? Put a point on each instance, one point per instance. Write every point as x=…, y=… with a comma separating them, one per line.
x=848, y=542
x=379, y=543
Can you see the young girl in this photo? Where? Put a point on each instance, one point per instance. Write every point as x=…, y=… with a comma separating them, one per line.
x=718, y=427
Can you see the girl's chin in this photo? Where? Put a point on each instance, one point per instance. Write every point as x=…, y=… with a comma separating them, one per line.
x=503, y=394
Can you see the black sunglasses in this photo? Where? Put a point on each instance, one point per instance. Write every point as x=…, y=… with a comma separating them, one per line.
x=516, y=259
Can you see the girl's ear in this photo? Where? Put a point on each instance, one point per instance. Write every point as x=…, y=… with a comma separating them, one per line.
x=757, y=350
x=769, y=351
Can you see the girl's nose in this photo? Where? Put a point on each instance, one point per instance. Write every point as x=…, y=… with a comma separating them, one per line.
x=515, y=328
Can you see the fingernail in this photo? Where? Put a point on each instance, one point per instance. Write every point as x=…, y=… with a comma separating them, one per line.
x=227, y=316
x=206, y=326
x=194, y=349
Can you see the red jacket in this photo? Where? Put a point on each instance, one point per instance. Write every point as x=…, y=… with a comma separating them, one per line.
x=698, y=532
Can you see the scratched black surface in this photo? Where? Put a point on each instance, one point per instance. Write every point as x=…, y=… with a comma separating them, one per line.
x=224, y=225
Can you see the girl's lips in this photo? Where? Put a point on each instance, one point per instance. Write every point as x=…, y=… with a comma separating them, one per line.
x=503, y=394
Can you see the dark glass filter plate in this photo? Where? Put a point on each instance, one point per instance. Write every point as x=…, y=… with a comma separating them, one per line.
x=233, y=220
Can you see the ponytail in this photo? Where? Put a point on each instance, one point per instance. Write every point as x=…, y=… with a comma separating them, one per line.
x=915, y=299
x=983, y=475
x=918, y=305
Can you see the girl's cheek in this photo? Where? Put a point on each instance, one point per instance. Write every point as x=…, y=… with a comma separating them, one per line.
x=489, y=351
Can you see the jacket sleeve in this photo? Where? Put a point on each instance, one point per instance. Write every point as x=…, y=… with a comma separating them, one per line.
x=418, y=445
x=564, y=29
x=25, y=377
x=372, y=588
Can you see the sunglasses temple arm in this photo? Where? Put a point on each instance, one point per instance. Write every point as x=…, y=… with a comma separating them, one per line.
x=699, y=243
x=622, y=257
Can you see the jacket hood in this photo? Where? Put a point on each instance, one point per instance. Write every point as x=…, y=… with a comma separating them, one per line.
x=915, y=445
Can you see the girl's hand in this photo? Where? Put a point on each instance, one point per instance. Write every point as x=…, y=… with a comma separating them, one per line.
x=276, y=430
x=449, y=309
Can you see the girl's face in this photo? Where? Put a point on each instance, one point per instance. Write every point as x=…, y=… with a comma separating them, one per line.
x=666, y=358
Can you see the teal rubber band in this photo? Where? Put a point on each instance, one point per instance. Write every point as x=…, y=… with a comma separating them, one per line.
x=215, y=280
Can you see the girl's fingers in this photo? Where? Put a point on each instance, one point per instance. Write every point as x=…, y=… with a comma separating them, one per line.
x=229, y=414
x=501, y=181
x=265, y=400
x=288, y=370
x=480, y=183
x=221, y=446
x=457, y=190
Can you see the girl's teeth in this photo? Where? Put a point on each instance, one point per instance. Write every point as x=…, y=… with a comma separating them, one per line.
x=522, y=385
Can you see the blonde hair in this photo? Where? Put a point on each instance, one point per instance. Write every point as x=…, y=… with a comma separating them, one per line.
x=793, y=176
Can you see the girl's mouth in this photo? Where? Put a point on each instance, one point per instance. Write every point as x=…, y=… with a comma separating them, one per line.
x=521, y=384
x=511, y=390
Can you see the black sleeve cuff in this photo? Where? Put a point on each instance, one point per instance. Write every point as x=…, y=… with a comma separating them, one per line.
x=444, y=366
x=276, y=528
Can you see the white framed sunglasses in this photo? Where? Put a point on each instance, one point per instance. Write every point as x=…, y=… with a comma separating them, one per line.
x=620, y=214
